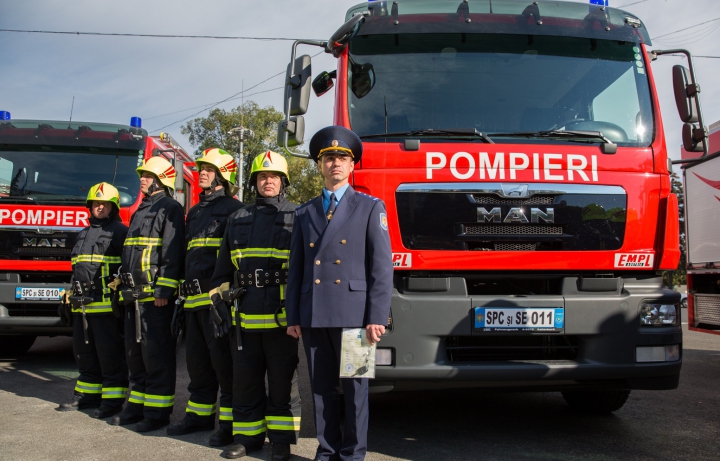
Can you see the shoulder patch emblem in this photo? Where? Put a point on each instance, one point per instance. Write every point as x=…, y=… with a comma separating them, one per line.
x=383, y=221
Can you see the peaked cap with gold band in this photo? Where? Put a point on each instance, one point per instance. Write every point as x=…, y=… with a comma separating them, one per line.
x=336, y=140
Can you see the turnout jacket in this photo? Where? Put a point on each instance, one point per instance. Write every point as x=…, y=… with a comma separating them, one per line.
x=341, y=272
x=96, y=257
x=154, y=249
x=257, y=237
x=206, y=224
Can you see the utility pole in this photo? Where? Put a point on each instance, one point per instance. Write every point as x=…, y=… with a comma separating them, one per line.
x=242, y=134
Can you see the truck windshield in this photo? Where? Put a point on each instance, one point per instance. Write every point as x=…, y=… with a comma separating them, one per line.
x=509, y=86
x=64, y=175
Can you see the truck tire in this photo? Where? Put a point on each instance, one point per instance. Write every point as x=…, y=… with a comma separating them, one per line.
x=15, y=345
x=596, y=401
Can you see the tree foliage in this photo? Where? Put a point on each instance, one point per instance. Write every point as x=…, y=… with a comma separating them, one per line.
x=677, y=277
x=212, y=131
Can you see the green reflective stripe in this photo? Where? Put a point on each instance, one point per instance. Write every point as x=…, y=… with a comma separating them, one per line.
x=204, y=242
x=88, y=388
x=166, y=282
x=114, y=392
x=143, y=241
x=283, y=423
x=197, y=300
x=263, y=321
x=282, y=287
x=95, y=259
x=137, y=397
x=159, y=400
x=226, y=414
x=145, y=259
x=94, y=308
x=251, y=428
x=237, y=254
x=200, y=409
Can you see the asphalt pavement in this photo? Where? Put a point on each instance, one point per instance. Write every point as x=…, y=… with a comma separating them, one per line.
x=682, y=424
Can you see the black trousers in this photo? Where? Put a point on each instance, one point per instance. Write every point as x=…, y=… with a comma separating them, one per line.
x=209, y=363
x=103, y=370
x=256, y=411
x=322, y=347
x=151, y=361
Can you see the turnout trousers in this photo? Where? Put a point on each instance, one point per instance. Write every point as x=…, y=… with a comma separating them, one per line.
x=322, y=347
x=103, y=370
x=256, y=411
x=151, y=361
x=209, y=363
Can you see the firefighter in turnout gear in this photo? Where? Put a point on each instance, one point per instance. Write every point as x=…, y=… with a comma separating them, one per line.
x=97, y=333
x=251, y=273
x=152, y=264
x=209, y=359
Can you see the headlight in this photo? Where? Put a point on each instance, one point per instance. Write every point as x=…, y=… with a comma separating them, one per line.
x=652, y=314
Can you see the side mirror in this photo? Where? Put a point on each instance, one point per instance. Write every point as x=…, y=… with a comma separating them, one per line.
x=693, y=138
x=294, y=129
x=362, y=79
x=323, y=82
x=685, y=94
x=344, y=34
x=298, y=78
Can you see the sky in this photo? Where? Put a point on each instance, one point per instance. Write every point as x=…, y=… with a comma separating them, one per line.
x=161, y=79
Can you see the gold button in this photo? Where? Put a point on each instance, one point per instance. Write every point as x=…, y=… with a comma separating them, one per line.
x=317, y=282
x=317, y=263
x=343, y=241
x=337, y=262
x=337, y=282
x=312, y=245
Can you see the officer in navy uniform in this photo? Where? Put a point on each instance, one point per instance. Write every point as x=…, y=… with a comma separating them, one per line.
x=340, y=276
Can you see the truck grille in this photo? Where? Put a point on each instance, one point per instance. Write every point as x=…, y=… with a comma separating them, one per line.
x=707, y=309
x=502, y=348
x=495, y=200
x=515, y=246
x=489, y=229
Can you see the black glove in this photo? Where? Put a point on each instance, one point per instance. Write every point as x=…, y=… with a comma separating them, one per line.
x=219, y=316
x=177, y=326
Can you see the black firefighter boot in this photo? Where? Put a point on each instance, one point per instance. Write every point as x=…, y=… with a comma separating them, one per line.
x=280, y=452
x=188, y=426
x=223, y=436
x=78, y=403
x=105, y=411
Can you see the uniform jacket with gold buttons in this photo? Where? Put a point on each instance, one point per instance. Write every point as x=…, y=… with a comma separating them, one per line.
x=340, y=271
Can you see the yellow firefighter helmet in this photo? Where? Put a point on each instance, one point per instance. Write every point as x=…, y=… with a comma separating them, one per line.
x=161, y=168
x=103, y=192
x=272, y=162
x=225, y=164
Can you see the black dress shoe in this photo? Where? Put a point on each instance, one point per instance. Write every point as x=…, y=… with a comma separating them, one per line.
x=235, y=451
x=105, y=411
x=150, y=424
x=280, y=452
x=125, y=419
x=188, y=426
x=223, y=436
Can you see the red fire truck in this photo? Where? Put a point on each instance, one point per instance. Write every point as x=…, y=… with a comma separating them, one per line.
x=46, y=169
x=519, y=149
x=702, y=201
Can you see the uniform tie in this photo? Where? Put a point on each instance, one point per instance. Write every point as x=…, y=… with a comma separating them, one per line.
x=331, y=207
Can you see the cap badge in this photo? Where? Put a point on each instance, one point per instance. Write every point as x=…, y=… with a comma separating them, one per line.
x=334, y=143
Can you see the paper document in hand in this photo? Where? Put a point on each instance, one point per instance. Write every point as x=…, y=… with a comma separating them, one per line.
x=357, y=356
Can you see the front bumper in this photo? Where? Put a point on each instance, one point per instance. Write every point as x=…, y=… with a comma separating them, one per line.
x=28, y=316
x=603, y=329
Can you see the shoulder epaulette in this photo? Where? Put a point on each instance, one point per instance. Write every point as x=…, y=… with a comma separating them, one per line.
x=367, y=196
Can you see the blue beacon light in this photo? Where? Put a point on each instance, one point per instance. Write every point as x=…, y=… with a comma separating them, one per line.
x=4, y=115
x=136, y=122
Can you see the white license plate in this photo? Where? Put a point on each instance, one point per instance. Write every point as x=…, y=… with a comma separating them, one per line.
x=519, y=319
x=38, y=294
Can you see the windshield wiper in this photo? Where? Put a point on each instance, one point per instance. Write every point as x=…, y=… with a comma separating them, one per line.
x=434, y=133
x=608, y=147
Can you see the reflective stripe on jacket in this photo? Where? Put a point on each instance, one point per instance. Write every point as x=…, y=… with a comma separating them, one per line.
x=96, y=254
x=257, y=237
x=155, y=244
